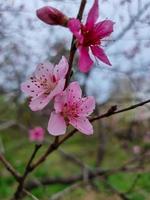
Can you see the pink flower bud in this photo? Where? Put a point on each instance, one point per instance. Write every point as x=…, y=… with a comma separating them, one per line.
x=136, y=149
x=36, y=134
x=52, y=16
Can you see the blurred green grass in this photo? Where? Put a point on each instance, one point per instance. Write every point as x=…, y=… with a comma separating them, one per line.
x=18, y=149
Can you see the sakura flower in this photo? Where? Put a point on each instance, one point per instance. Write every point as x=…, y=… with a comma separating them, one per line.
x=36, y=134
x=47, y=81
x=136, y=149
x=89, y=37
x=71, y=108
x=52, y=16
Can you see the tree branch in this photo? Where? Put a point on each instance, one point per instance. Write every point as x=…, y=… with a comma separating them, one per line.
x=93, y=173
x=50, y=149
x=55, y=145
x=19, y=190
x=73, y=46
x=112, y=110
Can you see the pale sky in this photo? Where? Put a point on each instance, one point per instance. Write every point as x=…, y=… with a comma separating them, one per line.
x=110, y=10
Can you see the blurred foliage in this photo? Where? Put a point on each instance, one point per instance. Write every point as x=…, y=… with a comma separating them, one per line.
x=119, y=148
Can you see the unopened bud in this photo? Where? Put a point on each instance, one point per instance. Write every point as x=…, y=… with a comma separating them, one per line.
x=52, y=16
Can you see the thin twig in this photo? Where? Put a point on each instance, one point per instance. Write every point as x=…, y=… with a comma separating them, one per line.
x=30, y=195
x=63, y=193
x=19, y=190
x=73, y=46
x=50, y=149
x=75, y=160
x=122, y=195
x=7, y=124
x=9, y=167
x=113, y=111
x=132, y=22
x=129, y=166
x=133, y=184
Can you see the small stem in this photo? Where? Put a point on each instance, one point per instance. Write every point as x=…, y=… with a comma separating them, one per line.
x=19, y=190
x=113, y=111
x=51, y=148
x=133, y=184
x=71, y=57
x=81, y=9
x=30, y=195
x=10, y=168
x=73, y=45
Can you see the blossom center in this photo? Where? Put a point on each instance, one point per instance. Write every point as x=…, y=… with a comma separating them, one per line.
x=70, y=110
x=47, y=84
x=89, y=38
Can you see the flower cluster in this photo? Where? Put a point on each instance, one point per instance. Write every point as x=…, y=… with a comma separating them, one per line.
x=48, y=83
x=89, y=36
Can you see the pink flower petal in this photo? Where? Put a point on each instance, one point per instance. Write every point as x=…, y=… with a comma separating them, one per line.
x=59, y=102
x=92, y=15
x=87, y=106
x=56, y=124
x=44, y=70
x=100, y=54
x=33, y=89
x=58, y=88
x=73, y=92
x=85, y=62
x=61, y=69
x=40, y=102
x=45, y=84
x=33, y=86
x=82, y=124
x=75, y=27
x=104, y=28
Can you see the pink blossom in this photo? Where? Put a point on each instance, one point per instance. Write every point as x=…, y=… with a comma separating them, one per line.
x=89, y=37
x=52, y=16
x=71, y=108
x=36, y=134
x=47, y=81
x=136, y=149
